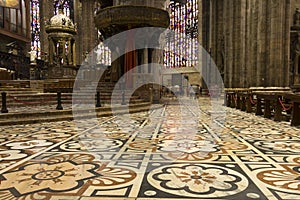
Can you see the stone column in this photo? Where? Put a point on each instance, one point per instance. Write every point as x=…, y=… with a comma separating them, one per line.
x=236, y=42
x=205, y=23
x=220, y=37
x=248, y=54
x=77, y=20
x=204, y=8
x=275, y=41
x=230, y=39
x=51, y=50
x=217, y=44
x=287, y=22
x=212, y=25
x=254, y=40
x=46, y=12
x=87, y=33
x=226, y=43
x=279, y=67
x=264, y=43
x=70, y=61
x=286, y=44
x=200, y=23
x=242, y=46
x=74, y=60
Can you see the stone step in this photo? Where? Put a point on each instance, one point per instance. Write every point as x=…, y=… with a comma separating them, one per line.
x=23, y=97
x=48, y=116
x=18, y=91
x=106, y=100
x=64, y=95
x=51, y=100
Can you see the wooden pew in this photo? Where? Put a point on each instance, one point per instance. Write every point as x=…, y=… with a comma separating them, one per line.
x=295, y=98
x=267, y=100
x=246, y=104
x=268, y=97
x=296, y=110
x=276, y=100
x=271, y=101
x=233, y=98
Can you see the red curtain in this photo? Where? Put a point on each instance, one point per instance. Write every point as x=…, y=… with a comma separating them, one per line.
x=130, y=58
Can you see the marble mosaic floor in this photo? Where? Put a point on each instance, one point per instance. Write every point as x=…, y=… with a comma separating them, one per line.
x=178, y=152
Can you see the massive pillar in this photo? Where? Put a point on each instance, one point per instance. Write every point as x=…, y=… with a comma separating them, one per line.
x=263, y=44
x=204, y=37
x=201, y=31
x=229, y=44
x=87, y=33
x=46, y=13
x=253, y=37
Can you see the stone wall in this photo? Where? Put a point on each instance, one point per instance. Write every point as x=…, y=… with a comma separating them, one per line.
x=250, y=41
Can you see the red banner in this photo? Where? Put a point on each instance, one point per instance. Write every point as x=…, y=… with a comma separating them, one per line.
x=9, y=3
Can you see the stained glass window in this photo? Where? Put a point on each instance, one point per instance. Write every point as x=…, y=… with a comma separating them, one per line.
x=35, y=27
x=68, y=8
x=181, y=48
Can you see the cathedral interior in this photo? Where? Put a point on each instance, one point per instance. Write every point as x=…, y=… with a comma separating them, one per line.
x=149, y=99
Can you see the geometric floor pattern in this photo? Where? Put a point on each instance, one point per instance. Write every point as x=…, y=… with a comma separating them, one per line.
x=176, y=152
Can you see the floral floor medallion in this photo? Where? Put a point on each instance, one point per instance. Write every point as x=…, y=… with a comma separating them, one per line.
x=201, y=180
x=172, y=153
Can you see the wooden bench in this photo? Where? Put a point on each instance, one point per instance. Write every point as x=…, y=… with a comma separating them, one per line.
x=245, y=101
x=278, y=100
x=267, y=100
x=271, y=100
x=295, y=99
x=237, y=98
